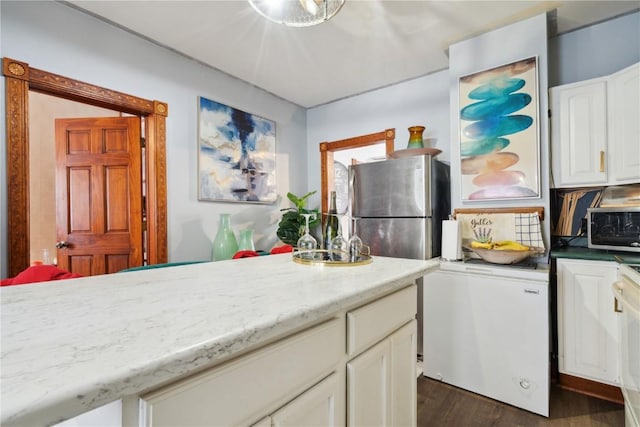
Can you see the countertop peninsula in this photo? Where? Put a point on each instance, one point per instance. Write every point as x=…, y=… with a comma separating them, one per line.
x=70, y=346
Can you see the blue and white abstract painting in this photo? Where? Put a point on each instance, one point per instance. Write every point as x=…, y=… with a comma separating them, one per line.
x=236, y=155
x=499, y=145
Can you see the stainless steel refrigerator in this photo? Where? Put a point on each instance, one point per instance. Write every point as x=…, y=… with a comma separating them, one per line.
x=399, y=205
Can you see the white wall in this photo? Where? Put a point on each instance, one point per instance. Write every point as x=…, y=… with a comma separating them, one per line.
x=422, y=101
x=595, y=51
x=508, y=44
x=433, y=101
x=54, y=37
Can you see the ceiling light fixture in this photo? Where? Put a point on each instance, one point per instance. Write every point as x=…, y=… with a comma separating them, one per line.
x=297, y=13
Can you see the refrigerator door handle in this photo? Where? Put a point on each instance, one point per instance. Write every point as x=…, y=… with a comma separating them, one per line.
x=352, y=181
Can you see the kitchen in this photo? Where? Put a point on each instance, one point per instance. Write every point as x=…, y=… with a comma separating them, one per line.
x=192, y=224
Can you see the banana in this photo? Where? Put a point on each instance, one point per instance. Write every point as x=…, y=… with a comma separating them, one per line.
x=509, y=245
x=483, y=245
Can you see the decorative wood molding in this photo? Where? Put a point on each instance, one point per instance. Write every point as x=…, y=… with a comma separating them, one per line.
x=156, y=189
x=19, y=79
x=17, y=95
x=328, y=148
x=86, y=93
x=591, y=388
x=15, y=69
x=161, y=108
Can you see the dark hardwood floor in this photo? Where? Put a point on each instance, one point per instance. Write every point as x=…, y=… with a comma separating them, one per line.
x=440, y=404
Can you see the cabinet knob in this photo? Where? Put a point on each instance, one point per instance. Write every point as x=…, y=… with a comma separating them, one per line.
x=524, y=383
x=61, y=245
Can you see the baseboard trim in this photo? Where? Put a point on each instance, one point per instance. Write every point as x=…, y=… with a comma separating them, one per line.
x=591, y=388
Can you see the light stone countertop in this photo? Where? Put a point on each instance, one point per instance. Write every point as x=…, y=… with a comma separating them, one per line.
x=70, y=346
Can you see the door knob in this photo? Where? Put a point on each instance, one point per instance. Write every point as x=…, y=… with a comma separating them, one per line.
x=63, y=244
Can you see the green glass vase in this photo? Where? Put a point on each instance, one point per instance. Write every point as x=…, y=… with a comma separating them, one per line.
x=225, y=244
x=245, y=240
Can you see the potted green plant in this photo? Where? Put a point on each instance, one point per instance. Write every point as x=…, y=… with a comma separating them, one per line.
x=292, y=224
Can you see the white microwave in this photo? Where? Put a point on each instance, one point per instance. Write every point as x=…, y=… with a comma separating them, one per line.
x=614, y=228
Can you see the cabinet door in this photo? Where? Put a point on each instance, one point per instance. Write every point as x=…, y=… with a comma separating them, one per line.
x=322, y=405
x=403, y=375
x=579, y=133
x=382, y=382
x=587, y=323
x=246, y=389
x=368, y=391
x=623, y=92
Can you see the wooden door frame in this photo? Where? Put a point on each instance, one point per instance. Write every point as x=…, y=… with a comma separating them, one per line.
x=328, y=148
x=19, y=80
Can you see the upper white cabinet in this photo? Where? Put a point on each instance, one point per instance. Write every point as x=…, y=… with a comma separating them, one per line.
x=624, y=125
x=587, y=322
x=579, y=133
x=595, y=131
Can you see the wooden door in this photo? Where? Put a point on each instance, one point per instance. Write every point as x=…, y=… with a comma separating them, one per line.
x=99, y=194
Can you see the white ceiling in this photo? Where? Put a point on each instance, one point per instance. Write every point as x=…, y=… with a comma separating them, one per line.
x=367, y=45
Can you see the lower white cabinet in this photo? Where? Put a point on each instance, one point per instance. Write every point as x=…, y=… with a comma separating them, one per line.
x=357, y=369
x=322, y=405
x=587, y=322
x=246, y=389
x=381, y=382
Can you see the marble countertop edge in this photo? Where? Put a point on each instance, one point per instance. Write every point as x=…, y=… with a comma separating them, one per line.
x=150, y=374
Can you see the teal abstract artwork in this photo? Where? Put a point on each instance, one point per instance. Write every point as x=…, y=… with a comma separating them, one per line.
x=499, y=144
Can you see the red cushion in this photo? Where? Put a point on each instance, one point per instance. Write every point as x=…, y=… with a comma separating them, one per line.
x=245, y=254
x=39, y=273
x=282, y=249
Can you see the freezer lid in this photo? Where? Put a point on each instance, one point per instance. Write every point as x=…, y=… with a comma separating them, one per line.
x=391, y=188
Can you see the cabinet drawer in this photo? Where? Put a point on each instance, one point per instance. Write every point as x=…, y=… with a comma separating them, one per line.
x=371, y=323
x=243, y=390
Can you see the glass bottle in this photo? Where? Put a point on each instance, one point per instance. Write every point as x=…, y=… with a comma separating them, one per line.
x=225, y=245
x=245, y=240
x=331, y=225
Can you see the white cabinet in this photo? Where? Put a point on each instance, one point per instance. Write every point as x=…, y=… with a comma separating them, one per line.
x=369, y=399
x=245, y=390
x=381, y=376
x=579, y=133
x=587, y=322
x=381, y=382
x=302, y=379
x=595, y=131
x=323, y=405
x=489, y=334
x=624, y=125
